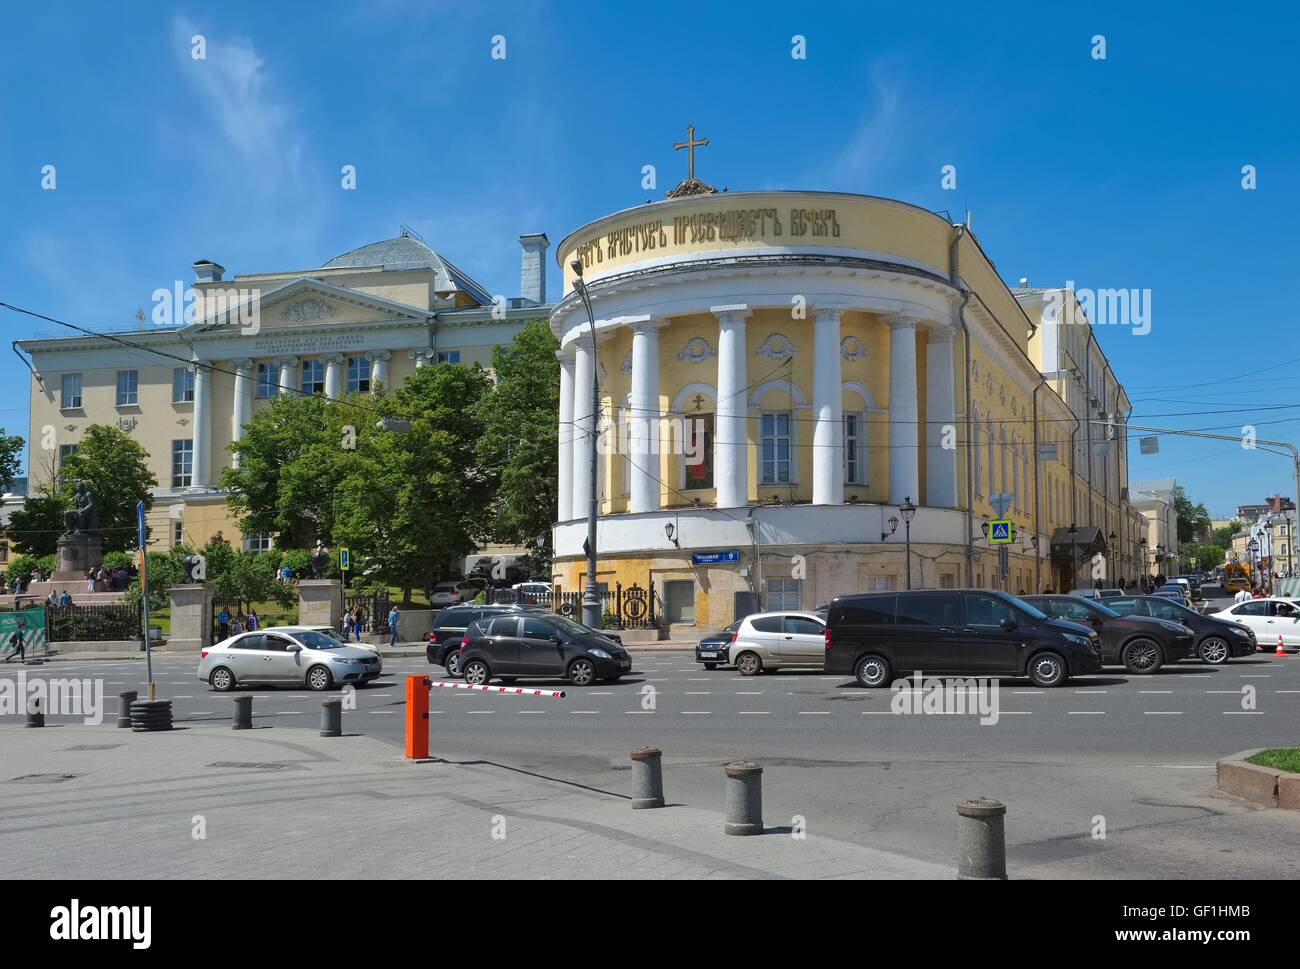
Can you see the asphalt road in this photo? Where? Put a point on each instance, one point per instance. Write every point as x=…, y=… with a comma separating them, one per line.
x=1137, y=749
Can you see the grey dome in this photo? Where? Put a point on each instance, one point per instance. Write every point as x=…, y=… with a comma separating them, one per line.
x=406, y=252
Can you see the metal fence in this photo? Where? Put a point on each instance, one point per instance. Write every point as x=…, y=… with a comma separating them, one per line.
x=374, y=610
x=633, y=607
x=113, y=621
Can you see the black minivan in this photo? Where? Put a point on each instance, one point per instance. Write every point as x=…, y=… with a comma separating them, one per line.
x=972, y=632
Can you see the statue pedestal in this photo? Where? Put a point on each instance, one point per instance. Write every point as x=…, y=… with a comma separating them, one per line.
x=319, y=603
x=191, y=618
x=77, y=555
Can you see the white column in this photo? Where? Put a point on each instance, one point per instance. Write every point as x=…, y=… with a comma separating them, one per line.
x=583, y=425
x=421, y=357
x=333, y=374
x=904, y=477
x=941, y=421
x=201, y=438
x=288, y=375
x=643, y=422
x=378, y=368
x=566, y=435
x=731, y=425
x=828, y=432
x=242, y=411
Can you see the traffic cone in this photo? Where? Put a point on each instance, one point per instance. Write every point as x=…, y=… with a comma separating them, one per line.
x=1280, y=651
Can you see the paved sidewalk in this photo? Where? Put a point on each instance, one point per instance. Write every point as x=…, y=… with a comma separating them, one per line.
x=99, y=802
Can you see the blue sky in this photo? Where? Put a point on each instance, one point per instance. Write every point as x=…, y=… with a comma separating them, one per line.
x=1124, y=172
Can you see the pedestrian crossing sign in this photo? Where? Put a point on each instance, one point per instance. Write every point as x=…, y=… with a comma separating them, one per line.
x=1001, y=532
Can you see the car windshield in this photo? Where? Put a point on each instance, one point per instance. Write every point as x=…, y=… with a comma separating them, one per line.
x=1033, y=611
x=445, y=587
x=1106, y=611
x=569, y=626
x=1183, y=608
x=315, y=640
x=734, y=626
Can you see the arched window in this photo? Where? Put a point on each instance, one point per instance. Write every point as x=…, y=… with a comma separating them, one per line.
x=979, y=457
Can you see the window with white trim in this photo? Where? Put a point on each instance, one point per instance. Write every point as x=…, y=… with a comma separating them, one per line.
x=182, y=385
x=268, y=380
x=178, y=533
x=449, y=356
x=257, y=543
x=313, y=377
x=128, y=388
x=880, y=583
x=182, y=463
x=358, y=375
x=988, y=449
x=979, y=456
x=854, y=450
x=774, y=456
x=782, y=594
x=70, y=391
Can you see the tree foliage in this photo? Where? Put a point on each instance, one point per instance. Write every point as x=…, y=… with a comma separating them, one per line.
x=11, y=451
x=116, y=467
x=1193, y=520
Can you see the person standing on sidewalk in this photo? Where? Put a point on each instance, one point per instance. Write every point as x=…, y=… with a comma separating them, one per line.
x=392, y=627
x=1243, y=595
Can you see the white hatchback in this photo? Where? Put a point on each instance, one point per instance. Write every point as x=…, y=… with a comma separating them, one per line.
x=772, y=640
x=1268, y=618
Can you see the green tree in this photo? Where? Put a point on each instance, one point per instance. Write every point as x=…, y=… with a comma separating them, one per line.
x=11, y=450
x=409, y=504
x=1203, y=555
x=116, y=467
x=1193, y=520
x=520, y=428
x=1223, y=536
x=36, y=526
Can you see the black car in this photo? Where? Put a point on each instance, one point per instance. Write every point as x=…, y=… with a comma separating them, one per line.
x=713, y=650
x=449, y=629
x=1217, y=640
x=540, y=644
x=880, y=636
x=1139, y=644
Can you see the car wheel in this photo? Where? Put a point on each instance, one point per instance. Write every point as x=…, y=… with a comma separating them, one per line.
x=582, y=672
x=453, y=663
x=710, y=666
x=221, y=680
x=749, y=664
x=873, y=672
x=1047, y=670
x=1214, y=651
x=477, y=672
x=319, y=678
x=1141, y=656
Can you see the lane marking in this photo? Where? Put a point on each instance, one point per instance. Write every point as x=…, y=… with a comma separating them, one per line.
x=814, y=713
x=753, y=713
x=1087, y=713
x=1162, y=713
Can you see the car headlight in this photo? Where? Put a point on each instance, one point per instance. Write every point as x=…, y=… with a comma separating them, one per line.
x=1078, y=640
x=343, y=659
x=599, y=653
x=1243, y=633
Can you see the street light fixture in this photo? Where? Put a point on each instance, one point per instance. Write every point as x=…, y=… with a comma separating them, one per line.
x=590, y=598
x=1074, y=531
x=893, y=527
x=908, y=511
x=668, y=530
x=1110, y=543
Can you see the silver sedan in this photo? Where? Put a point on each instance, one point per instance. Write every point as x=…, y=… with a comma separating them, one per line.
x=287, y=655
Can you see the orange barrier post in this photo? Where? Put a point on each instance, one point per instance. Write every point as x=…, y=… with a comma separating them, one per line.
x=417, y=717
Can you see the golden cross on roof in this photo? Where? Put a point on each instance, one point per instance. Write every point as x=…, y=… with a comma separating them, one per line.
x=690, y=144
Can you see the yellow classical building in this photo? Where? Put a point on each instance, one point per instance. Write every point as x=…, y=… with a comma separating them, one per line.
x=780, y=372
x=214, y=352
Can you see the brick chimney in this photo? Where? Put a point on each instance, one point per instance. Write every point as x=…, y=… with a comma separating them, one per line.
x=532, y=270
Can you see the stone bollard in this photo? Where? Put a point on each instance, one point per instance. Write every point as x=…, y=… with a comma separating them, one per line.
x=35, y=716
x=124, y=701
x=331, y=717
x=243, y=712
x=744, y=798
x=647, y=778
x=981, y=840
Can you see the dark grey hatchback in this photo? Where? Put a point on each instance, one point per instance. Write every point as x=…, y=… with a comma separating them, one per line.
x=533, y=645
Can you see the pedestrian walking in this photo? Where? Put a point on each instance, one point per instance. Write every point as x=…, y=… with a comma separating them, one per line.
x=392, y=627
x=223, y=624
x=251, y=622
x=358, y=621
x=17, y=645
x=65, y=600
x=90, y=581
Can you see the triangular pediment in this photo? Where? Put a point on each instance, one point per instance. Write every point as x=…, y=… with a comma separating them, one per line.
x=303, y=302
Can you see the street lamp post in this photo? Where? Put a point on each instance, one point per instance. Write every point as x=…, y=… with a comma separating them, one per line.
x=1074, y=531
x=590, y=598
x=908, y=511
x=1114, y=557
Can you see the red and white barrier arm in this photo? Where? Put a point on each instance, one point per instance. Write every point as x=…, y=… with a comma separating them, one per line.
x=513, y=690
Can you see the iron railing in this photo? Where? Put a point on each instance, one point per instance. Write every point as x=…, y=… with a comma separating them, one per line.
x=104, y=622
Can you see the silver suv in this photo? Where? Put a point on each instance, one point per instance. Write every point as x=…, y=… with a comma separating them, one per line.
x=287, y=655
x=771, y=640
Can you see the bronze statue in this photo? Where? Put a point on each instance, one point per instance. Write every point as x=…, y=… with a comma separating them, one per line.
x=82, y=519
x=320, y=560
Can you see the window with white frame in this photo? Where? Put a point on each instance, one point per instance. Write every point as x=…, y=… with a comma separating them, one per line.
x=358, y=374
x=979, y=456
x=178, y=533
x=854, y=449
x=128, y=388
x=449, y=356
x=880, y=583
x=313, y=376
x=182, y=385
x=257, y=543
x=782, y=594
x=1015, y=474
x=775, y=449
x=70, y=395
x=988, y=453
x=182, y=463
x=268, y=380
x=65, y=451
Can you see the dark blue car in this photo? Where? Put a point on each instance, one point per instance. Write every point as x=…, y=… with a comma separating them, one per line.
x=713, y=651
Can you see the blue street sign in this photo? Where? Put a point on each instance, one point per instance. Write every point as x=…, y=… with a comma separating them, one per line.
x=139, y=522
x=715, y=558
x=344, y=560
x=1000, y=531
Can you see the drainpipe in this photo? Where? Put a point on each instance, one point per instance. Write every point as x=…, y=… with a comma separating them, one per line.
x=1074, y=494
x=955, y=278
x=1038, y=507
